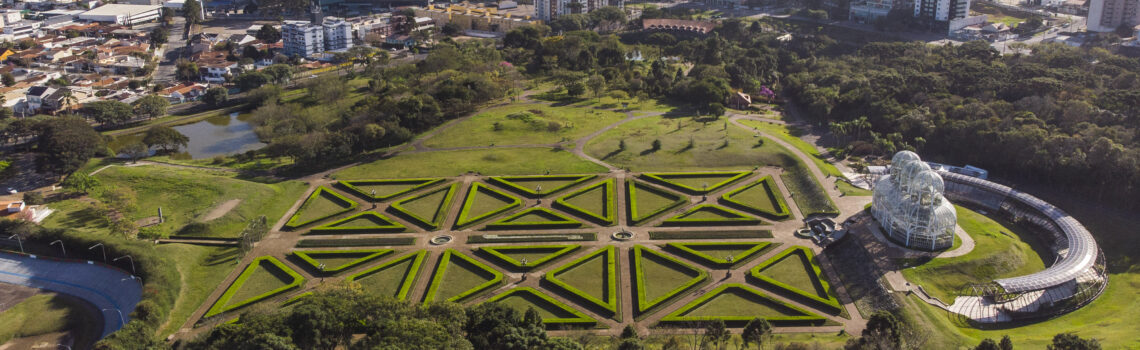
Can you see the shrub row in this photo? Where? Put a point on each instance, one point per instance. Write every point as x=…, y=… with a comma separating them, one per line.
x=662, y=178
x=631, y=201
x=774, y=194
x=415, y=185
x=441, y=268
x=644, y=305
x=608, y=218
x=506, y=181
x=669, y=235
x=295, y=222
x=810, y=197
x=829, y=304
x=611, y=302
x=410, y=275
x=463, y=220
x=580, y=319
x=295, y=299
x=220, y=306
x=527, y=237
x=562, y=250
x=807, y=318
x=440, y=212
x=369, y=255
x=507, y=224
x=729, y=217
x=332, y=228
x=721, y=262
x=356, y=242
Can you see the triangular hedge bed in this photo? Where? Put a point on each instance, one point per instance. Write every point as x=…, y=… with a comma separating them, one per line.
x=635, y=188
x=561, y=182
x=776, y=207
x=639, y=257
x=710, y=215
x=607, y=216
x=827, y=302
x=409, y=276
x=549, y=220
x=675, y=180
x=375, y=223
x=433, y=220
x=328, y=202
x=737, y=313
x=745, y=251
x=504, y=253
x=492, y=277
x=313, y=258
x=265, y=262
x=468, y=216
x=403, y=186
x=535, y=297
x=610, y=300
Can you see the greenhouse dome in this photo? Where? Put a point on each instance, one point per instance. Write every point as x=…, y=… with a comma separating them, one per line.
x=910, y=206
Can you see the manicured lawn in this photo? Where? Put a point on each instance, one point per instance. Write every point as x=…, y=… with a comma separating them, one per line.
x=649, y=200
x=794, y=271
x=705, y=215
x=531, y=124
x=593, y=201
x=460, y=276
x=320, y=207
x=791, y=136
x=531, y=255
x=809, y=196
x=364, y=221
x=699, y=182
x=427, y=207
x=709, y=151
x=267, y=277
x=545, y=184
x=486, y=202
x=184, y=196
x=522, y=301
x=388, y=280
x=520, y=161
x=384, y=189
x=202, y=270
x=999, y=251
x=760, y=196
x=721, y=251
x=851, y=190
x=663, y=276
x=733, y=302
x=536, y=216
x=589, y=277
x=334, y=260
x=39, y=314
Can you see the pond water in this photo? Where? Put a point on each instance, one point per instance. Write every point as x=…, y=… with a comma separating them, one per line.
x=216, y=136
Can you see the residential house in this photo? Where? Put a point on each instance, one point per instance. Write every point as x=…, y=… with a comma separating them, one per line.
x=184, y=92
x=213, y=66
x=738, y=100
x=36, y=96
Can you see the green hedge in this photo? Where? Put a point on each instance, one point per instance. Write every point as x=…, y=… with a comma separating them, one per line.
x=440, y=213
x=661, y=178
x=731, y=217
x=332, y=228
x=220, y=305
x=563, y=250
x=774, y=194
x=608, y=219
x=505, y=181
x=295, y=222
x=507, y=224
x=371, y=254
x=631, y=201
x=612, y=298
x=356, y=242
x=581, y=318
x=293, y=300
x=669, y=235
x=410, y=276
x=441, y=268
x=463, y=221
x=808, y=193
x=808, y=318
x=644, y=305
x=830, y=304
x=527, y=237
x=416, y=184
x=721, y=262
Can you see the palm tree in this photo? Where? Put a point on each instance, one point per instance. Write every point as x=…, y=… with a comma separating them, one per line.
x=69, y=100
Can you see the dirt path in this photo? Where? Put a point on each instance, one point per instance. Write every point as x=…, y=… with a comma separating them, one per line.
x=221, y=209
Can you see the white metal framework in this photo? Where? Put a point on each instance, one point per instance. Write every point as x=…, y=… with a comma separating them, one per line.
x=909, y=205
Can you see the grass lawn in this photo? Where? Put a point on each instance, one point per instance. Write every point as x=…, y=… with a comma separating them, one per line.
x=589, y=277
x=364, y=221
x=709, y=151
x=593, y=201
x=429, y=207
x=202, y=269
x=697, y=181
x=794, y=271
x=809, y=196
x=531, y=255
x=517, y=161
x=706, y=213
x=388, y=280
x=791, y=136
x=663, y=276
x=536, y=216
x=649, y=200
x=485, y=202
x=823, y=341
x=522, y=301
x=39, y=314
x=321, y=206
x=529, y=124
x=334, y=260
x=734, y=302
x=265, y=278
x=547, y=185
x=999, y=252
x=184, y=195
x=760, y=196
x=460, y=276
x=722, y=251
x=850, y=190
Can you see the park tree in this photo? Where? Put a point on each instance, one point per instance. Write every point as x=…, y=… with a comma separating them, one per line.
x=597, y=84
x=268, y=34
x=192, y=10
x=215, y=96
x=575, y=89
x=252, y=80
x=758, y=331
x=159, y=36
x=80, y=182
x=8, y=79
x=987, y=344
x=1006, y=343
x=186, y=70
x=270, y=93
x=1070, y=341
x=135, y=150
x=165, y=138
x=152, y=106
x=281, y=73
x=717, y=334
x=66, y=143
x=497, y=326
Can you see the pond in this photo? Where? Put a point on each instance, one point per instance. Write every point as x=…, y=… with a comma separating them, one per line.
x=216, y=136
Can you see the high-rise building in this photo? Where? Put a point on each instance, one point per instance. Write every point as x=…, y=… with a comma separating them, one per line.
x=301, y=38
x=1108, y=15
x=942, y=10
x=338, y=33
x=550, y=9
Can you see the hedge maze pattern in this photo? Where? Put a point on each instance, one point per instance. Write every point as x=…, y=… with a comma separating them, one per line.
x=325, y=203
x=352, y=257
x=820, y=297
x=387, y=189
x=538, y=300
x=407, y=277
x=603, y=214
x=491, y=276
x=519, y=256
x=268, y=263
x=534, y=218
x=609, y=298
x=364, y=222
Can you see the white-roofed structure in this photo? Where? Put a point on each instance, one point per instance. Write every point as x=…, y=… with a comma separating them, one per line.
x=122, y=14
x=909, y=205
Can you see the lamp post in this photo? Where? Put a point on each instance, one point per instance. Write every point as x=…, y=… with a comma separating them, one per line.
x=538, y=192
x=122, y=322
x=100, y=245
x=60, y=246
x=18, y=240
x=128, y=258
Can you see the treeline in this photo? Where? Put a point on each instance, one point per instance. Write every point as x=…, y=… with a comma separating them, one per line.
x=1061, y=116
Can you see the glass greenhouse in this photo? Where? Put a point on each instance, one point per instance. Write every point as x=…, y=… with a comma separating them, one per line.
x=910, y=206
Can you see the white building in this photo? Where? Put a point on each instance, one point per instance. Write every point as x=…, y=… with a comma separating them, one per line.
x=122, y=14
x=869, y=11
x=22, y=29
x=550, y=9
x=1107, y=15
x=301, y=38
x=11, y=17
x=338, y=34
x=942, y=10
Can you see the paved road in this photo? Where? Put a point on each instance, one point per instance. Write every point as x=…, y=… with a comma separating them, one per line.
x=110, y=290
x=164, y=73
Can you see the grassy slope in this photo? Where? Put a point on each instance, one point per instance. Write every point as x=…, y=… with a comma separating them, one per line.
x=998, y=252
x=573, y=123
x=203, y=269
x=708, y=152
x=520, y=161
x=787, y=135
x=36, y=315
